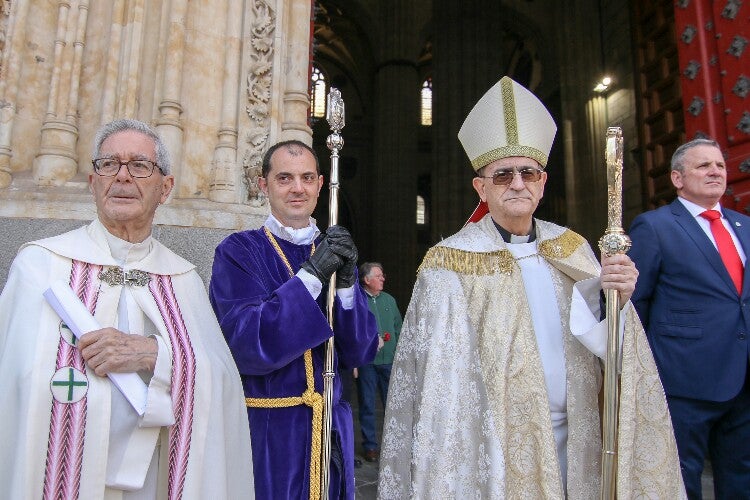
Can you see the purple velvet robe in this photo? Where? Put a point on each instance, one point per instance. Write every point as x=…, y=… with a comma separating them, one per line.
x=269, y=320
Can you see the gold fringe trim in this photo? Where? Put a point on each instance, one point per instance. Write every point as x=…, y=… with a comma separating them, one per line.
x=499, y=261
x=465, y=262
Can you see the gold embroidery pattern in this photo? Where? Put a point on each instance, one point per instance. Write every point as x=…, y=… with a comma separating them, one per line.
x=561, y=247
x=472, y=263
x=509, y=150
x=310, y=398
x=509, y=110
x=499, y=261
x=516, y=390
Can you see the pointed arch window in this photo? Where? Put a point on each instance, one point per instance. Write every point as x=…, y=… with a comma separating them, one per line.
x=317, y=94
x=421, y=214
x=426, y=102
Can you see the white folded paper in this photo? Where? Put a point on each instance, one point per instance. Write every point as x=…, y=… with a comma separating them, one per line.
x=72, y=311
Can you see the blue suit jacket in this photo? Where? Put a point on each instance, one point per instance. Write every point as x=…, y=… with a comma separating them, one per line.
x=697, y=325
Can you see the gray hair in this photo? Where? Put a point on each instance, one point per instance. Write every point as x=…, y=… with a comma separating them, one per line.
x=366, y=268
x=680, y=152
x=125, y=124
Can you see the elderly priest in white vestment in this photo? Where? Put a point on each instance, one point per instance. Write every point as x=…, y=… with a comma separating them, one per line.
x=178, y=428
x=495, y=381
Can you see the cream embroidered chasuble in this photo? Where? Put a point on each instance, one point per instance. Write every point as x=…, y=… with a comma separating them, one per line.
x=468, y=386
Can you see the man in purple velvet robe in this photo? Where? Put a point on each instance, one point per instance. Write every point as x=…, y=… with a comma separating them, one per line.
x=268, y=291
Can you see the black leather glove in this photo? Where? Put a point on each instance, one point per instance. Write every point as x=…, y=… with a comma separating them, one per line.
x=343, y=245
x=324, y=262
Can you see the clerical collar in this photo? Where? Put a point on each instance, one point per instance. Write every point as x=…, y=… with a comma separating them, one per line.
x=302, y=236
x=509, y=237
x=125, y=252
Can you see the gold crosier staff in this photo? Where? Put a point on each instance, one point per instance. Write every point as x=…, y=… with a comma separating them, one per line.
x=335, y=118
x=614, y=241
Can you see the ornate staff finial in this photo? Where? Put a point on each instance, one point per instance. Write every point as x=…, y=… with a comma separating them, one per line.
x=335, y=119
x=615, y=240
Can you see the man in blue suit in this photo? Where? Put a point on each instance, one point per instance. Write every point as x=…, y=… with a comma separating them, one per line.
x=693, y=298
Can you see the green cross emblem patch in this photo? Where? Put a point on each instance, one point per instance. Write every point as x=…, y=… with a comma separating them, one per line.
x=68, y=385
x=67, y=334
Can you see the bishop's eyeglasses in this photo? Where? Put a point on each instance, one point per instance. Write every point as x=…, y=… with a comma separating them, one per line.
x=109, y=167
x=505, y=176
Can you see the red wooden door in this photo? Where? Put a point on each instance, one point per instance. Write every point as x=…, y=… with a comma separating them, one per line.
x=714, y=60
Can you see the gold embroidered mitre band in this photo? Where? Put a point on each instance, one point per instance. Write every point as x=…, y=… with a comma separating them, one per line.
x=508, y=120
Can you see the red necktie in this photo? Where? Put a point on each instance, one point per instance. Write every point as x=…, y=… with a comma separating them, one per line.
x=727, y=250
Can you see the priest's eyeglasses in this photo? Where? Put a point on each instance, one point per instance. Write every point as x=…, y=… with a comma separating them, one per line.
x=505, y=176
x=109, y=167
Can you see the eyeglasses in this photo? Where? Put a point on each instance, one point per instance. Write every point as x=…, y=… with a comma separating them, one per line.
x=505, y=176
x=109, y=167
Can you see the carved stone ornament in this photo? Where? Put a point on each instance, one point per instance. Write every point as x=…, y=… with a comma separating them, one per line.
x=259, y=81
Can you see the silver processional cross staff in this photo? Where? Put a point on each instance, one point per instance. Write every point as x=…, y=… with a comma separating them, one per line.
x=335, y=118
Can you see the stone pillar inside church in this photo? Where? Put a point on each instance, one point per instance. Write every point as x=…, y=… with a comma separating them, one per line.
x=586, y=176
x=467, y=61
x=57, y=161
x=393, y=179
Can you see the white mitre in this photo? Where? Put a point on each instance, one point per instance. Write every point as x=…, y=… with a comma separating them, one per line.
x=507, y=121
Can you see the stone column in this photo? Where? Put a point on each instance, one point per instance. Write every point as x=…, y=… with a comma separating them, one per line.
x=260, y=66
x=297, y=72
x=224, y=174
x=130, y=58
x=9, y=81
x=78, y=46
x=112, y=64
x=56, y=162
x=586, y=194
x=468, y=60
x=393, y=179
x=168, y=124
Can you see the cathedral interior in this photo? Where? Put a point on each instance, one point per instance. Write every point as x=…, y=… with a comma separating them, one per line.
x=409, y=73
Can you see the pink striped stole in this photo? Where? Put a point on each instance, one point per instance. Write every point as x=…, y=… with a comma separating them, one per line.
x=183, y=382
x=68, y=422
x=62, y=475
